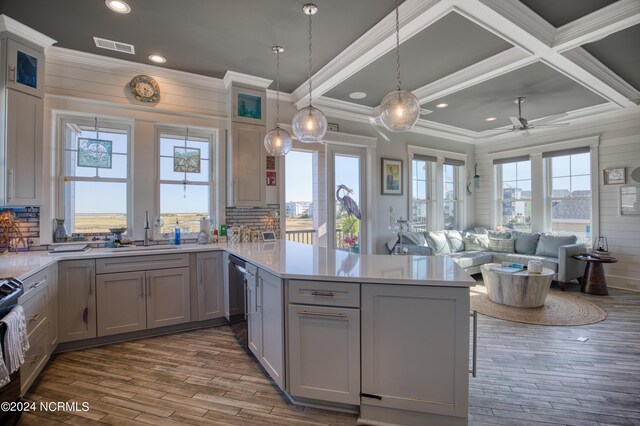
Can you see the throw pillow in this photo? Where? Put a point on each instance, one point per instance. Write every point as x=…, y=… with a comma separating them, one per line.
x=413, y=238
x=525, y=242
x=504, y=235
x=476, y=242
x=501, y=245
x=549, y=244
x=456, y=241
x=437, y=240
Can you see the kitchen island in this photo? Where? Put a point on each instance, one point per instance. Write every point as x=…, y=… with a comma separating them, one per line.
x=385, y=336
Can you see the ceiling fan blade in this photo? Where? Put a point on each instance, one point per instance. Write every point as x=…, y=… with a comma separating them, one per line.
x=552, y=125
x=549, y=119
x=516, y=122
x=525, y=133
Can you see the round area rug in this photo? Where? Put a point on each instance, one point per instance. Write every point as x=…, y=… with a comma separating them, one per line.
x=560, y=308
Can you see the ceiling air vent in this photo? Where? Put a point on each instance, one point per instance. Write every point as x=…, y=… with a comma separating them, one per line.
x=103, y=43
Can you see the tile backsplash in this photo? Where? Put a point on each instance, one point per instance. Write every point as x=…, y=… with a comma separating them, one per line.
x=257, y=218
x=28, y=220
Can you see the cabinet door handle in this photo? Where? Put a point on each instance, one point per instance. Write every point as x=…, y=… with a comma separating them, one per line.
x=258, y=293
x=37, y=284
x=322, y=293
x=246, y=302
x=141, y=288
x=35, y=359
x=35, y=317
x=85, y=315
x=12, y=73
x=322, y=314
x=251, y=275
x=148, y=286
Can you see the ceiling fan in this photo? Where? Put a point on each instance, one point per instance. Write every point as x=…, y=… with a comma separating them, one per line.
x=522, y=126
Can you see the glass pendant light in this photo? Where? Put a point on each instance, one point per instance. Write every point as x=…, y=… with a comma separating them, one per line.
x=309, y=124
x=400, y=109
x=278, y=141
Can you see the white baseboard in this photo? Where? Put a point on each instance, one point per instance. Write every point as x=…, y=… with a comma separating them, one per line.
x=625, y=283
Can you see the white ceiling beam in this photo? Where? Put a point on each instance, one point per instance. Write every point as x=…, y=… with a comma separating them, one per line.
x=509, y=19
x=415, y=16
x=597, y=25
x=487, y=69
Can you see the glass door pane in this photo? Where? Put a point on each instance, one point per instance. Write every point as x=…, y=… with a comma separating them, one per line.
x=299, y=205
x=348, y=201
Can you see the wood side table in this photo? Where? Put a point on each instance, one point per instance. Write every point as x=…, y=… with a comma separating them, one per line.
x=593, y=280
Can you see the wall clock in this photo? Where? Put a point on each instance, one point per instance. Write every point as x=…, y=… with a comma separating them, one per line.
x=145, y=88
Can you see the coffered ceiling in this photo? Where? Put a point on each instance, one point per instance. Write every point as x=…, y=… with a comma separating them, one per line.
x=573, y=56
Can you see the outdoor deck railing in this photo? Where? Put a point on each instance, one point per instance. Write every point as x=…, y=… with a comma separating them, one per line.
x=301, y=235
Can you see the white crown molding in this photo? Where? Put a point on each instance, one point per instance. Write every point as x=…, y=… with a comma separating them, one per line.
x=444, y=131
x=487, y=69
x=597, y=25
x=415, y=15
x=517, y=14
x=589, y=63
x=11, y=25
x=63, y=56
x=233, y=77
x=284, y=97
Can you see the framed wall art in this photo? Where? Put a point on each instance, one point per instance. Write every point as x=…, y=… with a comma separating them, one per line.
x=249, y=105
x=630, y=200
x=391, y=176
x=615, y=176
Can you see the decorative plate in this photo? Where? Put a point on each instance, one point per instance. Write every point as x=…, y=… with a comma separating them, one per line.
x=145, y=88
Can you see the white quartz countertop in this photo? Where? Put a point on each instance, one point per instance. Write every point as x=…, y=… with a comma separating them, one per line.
x=286, y=259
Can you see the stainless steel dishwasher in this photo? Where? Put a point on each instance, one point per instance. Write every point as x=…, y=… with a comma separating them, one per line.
x=237, y=299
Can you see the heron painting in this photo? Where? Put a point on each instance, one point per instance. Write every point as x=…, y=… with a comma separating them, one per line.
x=348, y=205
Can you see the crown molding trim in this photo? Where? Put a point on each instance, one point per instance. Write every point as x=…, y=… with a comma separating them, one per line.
x=233, y=77
x=597, y=25
x=14, y=27
x=499, y=64
x=415, y=15
x=590, y=64
x=64, y=56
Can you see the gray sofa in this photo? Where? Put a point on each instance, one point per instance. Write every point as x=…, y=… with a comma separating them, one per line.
x=472, y=248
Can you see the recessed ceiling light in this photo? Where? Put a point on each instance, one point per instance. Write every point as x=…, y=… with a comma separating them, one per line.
x=357, y=95
x=118, y=6
x=442, y=105
x=158, y=59
x=490, y=119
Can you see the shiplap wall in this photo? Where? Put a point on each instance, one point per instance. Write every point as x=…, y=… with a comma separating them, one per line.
x=619, y=147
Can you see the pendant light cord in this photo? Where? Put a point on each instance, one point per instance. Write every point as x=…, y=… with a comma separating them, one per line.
x=398, y=45
x=310, y=55
x=278, y=87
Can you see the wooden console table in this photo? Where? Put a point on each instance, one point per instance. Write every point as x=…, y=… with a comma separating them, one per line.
x=593, y=280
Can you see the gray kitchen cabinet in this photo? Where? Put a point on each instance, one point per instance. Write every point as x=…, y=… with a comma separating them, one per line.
x=76, y=290
x=23, y=147
x=121, y=303
x=210, y=286
x=168, y=297
x=324, y=353
x=270, y=296
x=415, y=352
x=246, y=166
x=254, y=312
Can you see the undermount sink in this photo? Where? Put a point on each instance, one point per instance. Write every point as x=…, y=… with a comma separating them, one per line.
x=144, y=248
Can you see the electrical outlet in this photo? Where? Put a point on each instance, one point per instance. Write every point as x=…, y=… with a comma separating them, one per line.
x=33, y=241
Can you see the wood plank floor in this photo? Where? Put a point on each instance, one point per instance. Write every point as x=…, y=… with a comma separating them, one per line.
x=527, y=375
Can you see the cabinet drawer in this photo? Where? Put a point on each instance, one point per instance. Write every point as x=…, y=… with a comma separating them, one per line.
x=141, y=263
x=35, y=280
x=325, y=293
x=34, y=304
x=35, y=358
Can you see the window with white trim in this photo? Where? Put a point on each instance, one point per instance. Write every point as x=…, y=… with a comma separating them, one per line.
x=514, y=193
x=569, y=188
x=186, y=179
x=421, y=177
x=95, y=175
x=451, y=201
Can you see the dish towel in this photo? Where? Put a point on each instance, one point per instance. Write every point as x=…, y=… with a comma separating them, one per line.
x=16, y=342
